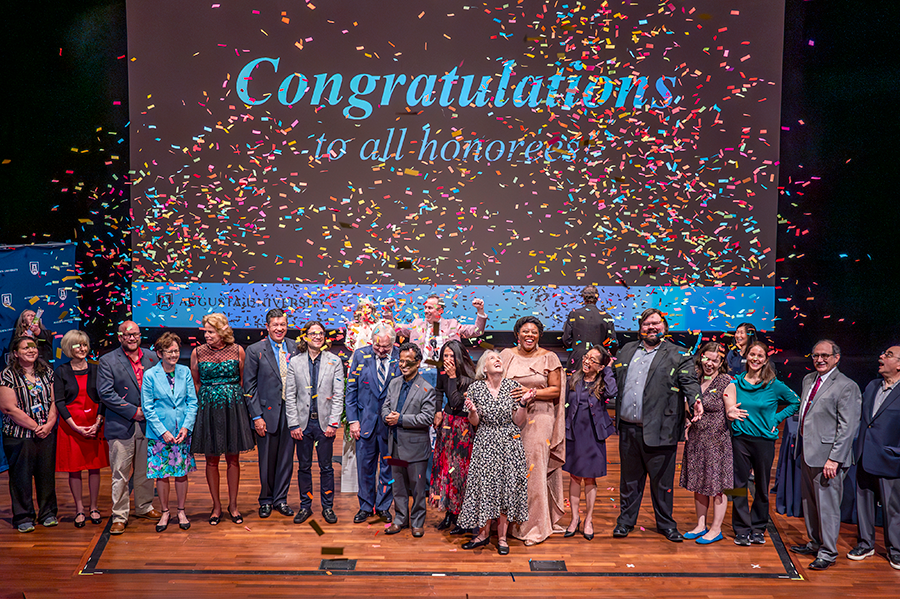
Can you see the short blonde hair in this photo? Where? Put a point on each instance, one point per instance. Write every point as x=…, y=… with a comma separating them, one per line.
x=219, y=322
x=73, y=338
x=479, y=368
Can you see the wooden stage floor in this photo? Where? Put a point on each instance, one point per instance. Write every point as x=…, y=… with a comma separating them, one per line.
x=275, y=557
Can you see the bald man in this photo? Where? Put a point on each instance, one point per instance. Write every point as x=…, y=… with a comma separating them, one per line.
x=119, y=377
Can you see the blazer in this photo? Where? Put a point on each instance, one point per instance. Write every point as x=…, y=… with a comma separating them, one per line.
x=671, y=382
x=584, y=328
x=166, y=409
x=603, y=424
x=413, y=438
x=65, y=388
x=330, y=391
x=262, y=382
x=832, y=420
x=118, y=390
x=877, y=446
x=364, y=400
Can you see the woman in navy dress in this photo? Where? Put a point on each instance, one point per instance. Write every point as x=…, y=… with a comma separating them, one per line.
x=587, y=426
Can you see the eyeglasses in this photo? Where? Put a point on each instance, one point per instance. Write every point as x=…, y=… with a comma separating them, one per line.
x=171, y=352
x=888, y=354
x=316, y=334
x=590, y=360
x=130, y=335
x=821, y=356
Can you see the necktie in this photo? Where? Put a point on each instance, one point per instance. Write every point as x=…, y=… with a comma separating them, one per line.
x=382, y=372
x=282, y=368
x=812, y=395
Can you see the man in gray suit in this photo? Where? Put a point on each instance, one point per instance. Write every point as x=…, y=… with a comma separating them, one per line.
x=656, y=378
x=314, y=400
x=265, y=369
x=119, y=377
x=829, y=419
x=409, y=411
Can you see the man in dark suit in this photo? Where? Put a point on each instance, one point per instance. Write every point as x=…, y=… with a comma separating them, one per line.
x=829, y=419
x=371, y=370
x=409, y=412
x=119, y=377
x=877, y=450
x=586, y=327
x=265, y=370
x=655, y=378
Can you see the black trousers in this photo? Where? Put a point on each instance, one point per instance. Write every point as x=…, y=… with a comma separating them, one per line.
x=31, y=460
x=756, y=453
x=639, y=461
x=276, y=464
x=315, y=436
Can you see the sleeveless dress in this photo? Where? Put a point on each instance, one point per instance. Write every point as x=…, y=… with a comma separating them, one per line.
x=707, y=466
x=544, y=439
x=75, y=453
x=223, y=423
x=498, y=477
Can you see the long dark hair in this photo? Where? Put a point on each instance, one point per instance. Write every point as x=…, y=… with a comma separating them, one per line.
x=302, y=345
x=750, y=332
x=767, y=372
x=599, y=385
x=40, y=366
x=465, y=368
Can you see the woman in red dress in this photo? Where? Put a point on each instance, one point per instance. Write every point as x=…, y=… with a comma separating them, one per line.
x=80, y=444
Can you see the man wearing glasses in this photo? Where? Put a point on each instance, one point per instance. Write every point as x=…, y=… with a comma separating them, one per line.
x=829, y=419
x=877, y=450
x=409, y=412
x=119, y=377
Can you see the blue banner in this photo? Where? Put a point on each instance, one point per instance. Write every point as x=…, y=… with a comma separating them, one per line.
x=246, y=304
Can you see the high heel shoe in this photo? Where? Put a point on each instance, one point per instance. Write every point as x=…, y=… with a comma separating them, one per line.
x=162, y=527
x=571, y=533
x=473, y=544
x=448, y=521
x=183, y=525
x=589, y=537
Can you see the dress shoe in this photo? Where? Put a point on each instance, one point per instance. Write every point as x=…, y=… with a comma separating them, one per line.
x=703, y=541
x=361, y=516
x=329, y=515
x=671, y=534
x=757, y=538
x=820, y=564
x=418, y=532
x=504, y=549
x=385, y=515
x=284, y=509
x=393, y=529
x=153, y=514
x=117, y=528
x=694, y=535
x=621, y=531
x=473, y=544
x=265, y=510
x=302, y=516
x=804, y=550
x=447, y=522
x=459, y=530
x=742, y=540
x=860, y=552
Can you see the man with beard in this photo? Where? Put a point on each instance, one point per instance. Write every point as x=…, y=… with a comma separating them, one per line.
x=656, y=378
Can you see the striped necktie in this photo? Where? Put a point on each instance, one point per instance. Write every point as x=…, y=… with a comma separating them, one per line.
x=382, y=372
x=282, y=368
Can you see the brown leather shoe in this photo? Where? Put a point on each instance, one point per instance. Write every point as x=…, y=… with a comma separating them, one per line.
x=117, y=528
x=418, y=532
x=393, y=529
x=153, y=514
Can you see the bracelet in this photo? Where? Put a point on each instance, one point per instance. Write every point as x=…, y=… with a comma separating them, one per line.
x=522, y=405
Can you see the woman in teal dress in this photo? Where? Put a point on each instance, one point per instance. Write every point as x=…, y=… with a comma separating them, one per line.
x=223, y=424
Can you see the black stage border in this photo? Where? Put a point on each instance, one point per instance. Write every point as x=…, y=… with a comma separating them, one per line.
x=790, y=573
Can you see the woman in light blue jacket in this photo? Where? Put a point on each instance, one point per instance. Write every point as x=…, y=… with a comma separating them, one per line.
x=169, y=403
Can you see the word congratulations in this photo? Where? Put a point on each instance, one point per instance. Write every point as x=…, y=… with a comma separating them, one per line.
x=425, y=90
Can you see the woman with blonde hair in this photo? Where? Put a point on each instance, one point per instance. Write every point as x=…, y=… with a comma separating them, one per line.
x=222, y=425
x=80, y=444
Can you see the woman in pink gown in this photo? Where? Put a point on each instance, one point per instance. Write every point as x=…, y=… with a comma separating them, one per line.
x=544, y=433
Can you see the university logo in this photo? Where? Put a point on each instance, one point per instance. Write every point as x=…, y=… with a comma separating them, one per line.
x=34, y=267
x=164, y=301
x=7, y=299
x=63, y=293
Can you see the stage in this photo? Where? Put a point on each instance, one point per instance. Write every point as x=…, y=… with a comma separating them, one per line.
x=275, y=557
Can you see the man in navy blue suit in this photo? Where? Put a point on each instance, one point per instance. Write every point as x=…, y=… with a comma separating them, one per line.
x=371, y=369
x=877, y=450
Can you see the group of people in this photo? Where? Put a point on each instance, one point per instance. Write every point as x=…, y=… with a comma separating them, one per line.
x=506, y=428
